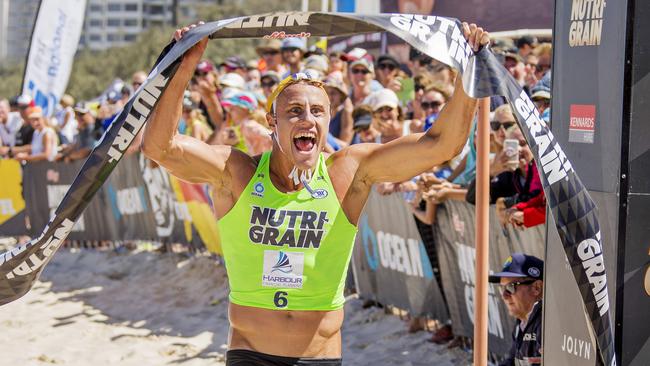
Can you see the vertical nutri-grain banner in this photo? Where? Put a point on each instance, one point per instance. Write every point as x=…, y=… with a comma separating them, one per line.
x=390, y=262
x=441, y=38
x=455, y=241
x=589, y=119
x=54, y=42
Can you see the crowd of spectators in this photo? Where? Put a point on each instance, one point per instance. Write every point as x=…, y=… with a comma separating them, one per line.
x=373, y=100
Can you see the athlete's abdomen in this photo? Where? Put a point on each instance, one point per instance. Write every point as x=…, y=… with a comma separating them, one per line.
x=286, y=333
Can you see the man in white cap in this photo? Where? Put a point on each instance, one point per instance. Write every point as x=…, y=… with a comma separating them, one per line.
x=388, y=115
x=292, y=50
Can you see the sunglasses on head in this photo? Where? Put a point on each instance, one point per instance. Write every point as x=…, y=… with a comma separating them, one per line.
x=495, y=125
x=432, y=105
x=511, y=288
x=360, y=71
x=388, y=66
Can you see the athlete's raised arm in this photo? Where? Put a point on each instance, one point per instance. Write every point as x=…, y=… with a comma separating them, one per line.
x=184, y=156
x=410, y=155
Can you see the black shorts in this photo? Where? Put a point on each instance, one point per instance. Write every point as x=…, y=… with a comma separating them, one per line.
x=241, y=357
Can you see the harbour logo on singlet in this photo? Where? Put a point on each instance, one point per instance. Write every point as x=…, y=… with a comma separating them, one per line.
x=283, y=269
x=290, y=228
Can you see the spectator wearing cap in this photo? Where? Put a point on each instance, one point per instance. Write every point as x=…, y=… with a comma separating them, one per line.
x=340, y=108
x=521, y=286
x=269, y=51
x=205, y=82
x=234, y=64
x=388, y=72
x=232, y=80
x=44, y=140
x=293, y=50
x=541, y=96
x=21, y=105
x=387, y=115
x=316, y=65
x=361, y=75
x=269, y=81
x=515, y=66
x=364, y=130
x=84, y=140
x=525, y=45
x=241, y=130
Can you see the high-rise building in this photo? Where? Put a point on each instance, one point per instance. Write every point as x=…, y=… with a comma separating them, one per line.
x=16, y=22
x=108, y=23
x=118, y=22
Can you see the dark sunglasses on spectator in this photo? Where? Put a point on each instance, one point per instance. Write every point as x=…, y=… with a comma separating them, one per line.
x=511, y=288
x=289, y=49
x=418, y=87
x=270, y=52
x=268, y=84
x=495, y=125
x=432, y=105
x=200, y=73
x=540, y=68
x=360, y=71
x=388, y=66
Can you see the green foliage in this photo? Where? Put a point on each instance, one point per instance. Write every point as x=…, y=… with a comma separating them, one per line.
x=93, y=71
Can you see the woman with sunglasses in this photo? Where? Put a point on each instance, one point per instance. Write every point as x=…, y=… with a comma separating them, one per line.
x=521, y=285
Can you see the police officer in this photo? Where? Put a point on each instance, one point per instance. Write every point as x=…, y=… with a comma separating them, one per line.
x=521, y=287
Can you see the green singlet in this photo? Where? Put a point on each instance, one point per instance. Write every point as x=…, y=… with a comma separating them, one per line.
x=287, y=251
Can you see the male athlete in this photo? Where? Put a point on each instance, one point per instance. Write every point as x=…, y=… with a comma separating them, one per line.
x=288, y=217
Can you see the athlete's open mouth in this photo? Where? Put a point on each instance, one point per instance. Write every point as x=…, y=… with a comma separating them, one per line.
x=304, y=141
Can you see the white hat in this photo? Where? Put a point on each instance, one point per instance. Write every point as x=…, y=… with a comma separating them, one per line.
x=233, y=80
x=318, y=63
x=382, y=98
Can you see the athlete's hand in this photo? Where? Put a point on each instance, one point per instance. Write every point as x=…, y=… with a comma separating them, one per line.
x=475, y=36
x=193, y=55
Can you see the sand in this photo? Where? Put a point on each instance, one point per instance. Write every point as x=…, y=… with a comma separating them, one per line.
x=142, y=308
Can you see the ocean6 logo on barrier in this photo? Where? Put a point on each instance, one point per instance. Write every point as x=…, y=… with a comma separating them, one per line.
x=404, y=255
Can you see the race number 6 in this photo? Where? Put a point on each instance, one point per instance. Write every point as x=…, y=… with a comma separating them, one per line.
x=280, y=299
